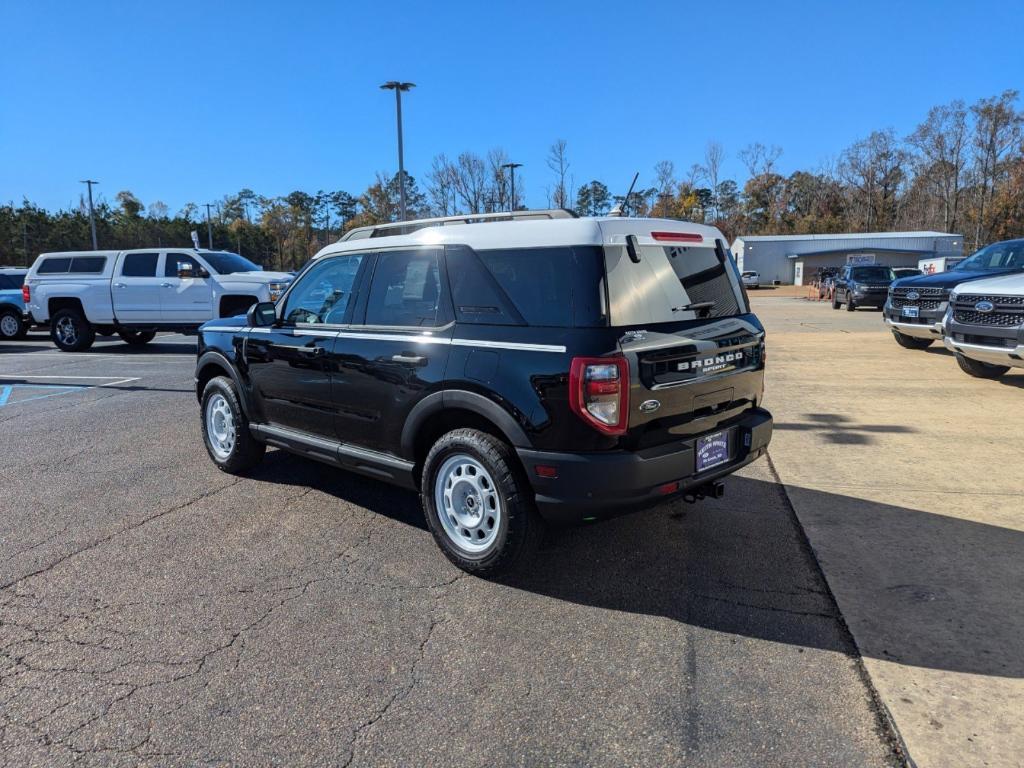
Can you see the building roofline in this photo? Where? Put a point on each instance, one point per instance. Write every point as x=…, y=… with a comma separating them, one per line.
x=844, y=236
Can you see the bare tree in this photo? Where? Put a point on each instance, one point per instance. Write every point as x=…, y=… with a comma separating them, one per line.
x=874, y=170
x=441, y=186
x=714, y=155
x=760, y=159
x=997, y=131
x=470, y=182
x=941, y=164
x=558, y=161
x=498, y=187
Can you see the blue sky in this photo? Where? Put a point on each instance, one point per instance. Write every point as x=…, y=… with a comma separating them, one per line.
x=189, y=101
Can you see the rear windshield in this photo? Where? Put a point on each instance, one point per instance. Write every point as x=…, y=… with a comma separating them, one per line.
x=880, y=274
x=83, y=265
x=671, y=283
x=557, y=287
x=11, y=282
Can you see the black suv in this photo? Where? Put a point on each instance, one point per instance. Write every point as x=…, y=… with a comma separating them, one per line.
x=917, y=305
x=861, y=285
x=513, y=372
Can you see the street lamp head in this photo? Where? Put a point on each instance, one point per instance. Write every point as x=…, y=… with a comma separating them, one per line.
x=512, y=165
x=396, y=85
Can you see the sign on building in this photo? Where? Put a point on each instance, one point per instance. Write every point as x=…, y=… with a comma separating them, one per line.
x=860, y=258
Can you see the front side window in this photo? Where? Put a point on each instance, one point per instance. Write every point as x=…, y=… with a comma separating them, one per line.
x=323, y=294
x=1008, y=255
x=174, y=260
x=405, y=289
x=139, y=265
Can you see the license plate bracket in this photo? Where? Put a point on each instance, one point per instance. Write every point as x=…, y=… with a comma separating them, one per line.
x=911, y=312
x=713, y=450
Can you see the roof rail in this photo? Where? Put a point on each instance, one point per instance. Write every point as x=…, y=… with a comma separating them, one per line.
x=406, y=227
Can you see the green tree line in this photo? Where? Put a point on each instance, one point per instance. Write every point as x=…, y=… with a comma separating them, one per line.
x=960, y=170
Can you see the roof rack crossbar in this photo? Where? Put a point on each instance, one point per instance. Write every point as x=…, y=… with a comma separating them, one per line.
x=406, y=227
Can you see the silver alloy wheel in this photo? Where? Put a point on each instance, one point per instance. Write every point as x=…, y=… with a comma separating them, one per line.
x=9, y=326
x=220, y=426
x=468, y=504
x=66, y=331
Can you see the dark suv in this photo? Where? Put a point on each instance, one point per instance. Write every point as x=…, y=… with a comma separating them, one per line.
x=917, y=305
x=513, y=372
x=861, y=285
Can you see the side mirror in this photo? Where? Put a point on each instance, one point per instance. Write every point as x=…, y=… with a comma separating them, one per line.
x=186, y=272
x=261, y=315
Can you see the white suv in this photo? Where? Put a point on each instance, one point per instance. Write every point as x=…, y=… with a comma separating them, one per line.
x=137, y=293
x=984, y=325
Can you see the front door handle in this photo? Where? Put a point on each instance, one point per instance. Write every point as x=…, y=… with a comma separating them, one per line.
x=120, y=285
x=410, y=359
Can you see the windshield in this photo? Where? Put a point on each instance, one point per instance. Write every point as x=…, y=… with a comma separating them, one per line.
x=224, y=263
x=1008, y=255
x=872, y=274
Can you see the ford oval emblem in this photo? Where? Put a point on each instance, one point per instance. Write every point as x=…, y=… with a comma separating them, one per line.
x=985, y=306
x=913, y=295
x=650, y=406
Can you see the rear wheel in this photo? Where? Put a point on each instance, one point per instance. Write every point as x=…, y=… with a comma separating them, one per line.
x=12, y=327
x=477, y=503
x=979, y=369
x=70, y=331
x=136, y=338
x=835, y=299
x=226, y=429
x=911, y=342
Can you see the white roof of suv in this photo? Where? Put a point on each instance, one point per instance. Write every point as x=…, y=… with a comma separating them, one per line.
x=608, y=230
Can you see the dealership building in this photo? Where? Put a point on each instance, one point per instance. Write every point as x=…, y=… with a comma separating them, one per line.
x=797, y=258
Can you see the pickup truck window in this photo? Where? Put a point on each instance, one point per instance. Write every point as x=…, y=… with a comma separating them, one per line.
x=139, y=265
x=174, y=259
x=225, y=263
x=83, y=265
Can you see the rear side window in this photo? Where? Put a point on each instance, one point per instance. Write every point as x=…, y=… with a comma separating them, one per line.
x=556, y=287
x=405, y=289
x=54, y=266
x=87, y=265
x=11, y=282
x=139, y=265
x=476, y=295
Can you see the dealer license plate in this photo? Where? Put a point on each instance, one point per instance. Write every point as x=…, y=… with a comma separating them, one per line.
x=712, y=450
x=910, y=311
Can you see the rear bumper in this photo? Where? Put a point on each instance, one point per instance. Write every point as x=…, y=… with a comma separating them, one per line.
x=606, y=484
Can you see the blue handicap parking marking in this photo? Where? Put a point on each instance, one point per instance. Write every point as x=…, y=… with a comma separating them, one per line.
x=12, y=394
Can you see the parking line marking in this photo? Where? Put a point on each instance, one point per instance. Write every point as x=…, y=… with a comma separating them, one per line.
x=5, y=393
x=65, y=389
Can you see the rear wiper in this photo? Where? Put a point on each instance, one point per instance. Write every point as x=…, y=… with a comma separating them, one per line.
x=696, y=306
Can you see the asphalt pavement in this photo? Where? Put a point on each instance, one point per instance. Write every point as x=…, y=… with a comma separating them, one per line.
x=155, y=611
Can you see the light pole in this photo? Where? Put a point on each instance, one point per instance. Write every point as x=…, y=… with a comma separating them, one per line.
x=512, y=170
x=92, y=216
x=209, y=228
x=398, y=87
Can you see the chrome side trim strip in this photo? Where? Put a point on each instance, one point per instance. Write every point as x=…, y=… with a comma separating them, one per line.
x=508, y=345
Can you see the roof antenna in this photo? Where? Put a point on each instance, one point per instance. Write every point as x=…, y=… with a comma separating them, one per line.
x=623, y=207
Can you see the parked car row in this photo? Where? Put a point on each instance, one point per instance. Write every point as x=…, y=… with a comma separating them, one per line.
x=976, y=309
x=133, y=294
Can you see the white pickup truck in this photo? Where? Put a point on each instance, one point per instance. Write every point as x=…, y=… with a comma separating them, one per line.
x=137, y=293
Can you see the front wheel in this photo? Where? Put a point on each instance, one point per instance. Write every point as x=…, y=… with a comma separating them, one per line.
x=477, y=503
x=12, y=327
x=835, y=300
x=850, y=306
x=226, y=429
x=71, y=332
x=980, y=370
x=911, y=342
x=136, y=338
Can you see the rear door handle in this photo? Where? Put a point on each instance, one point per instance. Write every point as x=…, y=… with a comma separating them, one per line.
x=165, y=285
x=120, y=285
x=312, y=351
x=410, y=359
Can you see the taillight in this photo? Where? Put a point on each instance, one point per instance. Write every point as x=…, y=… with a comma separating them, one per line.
x=599, y=392
x=678, y=237
x=26, y=293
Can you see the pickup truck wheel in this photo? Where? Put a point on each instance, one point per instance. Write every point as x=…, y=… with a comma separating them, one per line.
x=979, y=369
x=70, y=331
x=850, y=306
x=911, y=342
x=12, y=327
x=226, y=429
x=136, y=338
x=477, y=503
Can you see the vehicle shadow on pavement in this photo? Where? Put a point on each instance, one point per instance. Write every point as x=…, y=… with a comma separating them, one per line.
x=944, y=592
x=841, y=430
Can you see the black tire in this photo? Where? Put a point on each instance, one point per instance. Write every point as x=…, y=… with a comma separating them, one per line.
x=850, y=306
x=911, y=342
x=518, y=527
x=979, y=369
x=12, y=325
x=136, y=338
x=246, y=451
x=835, y=300
x=70, y=331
